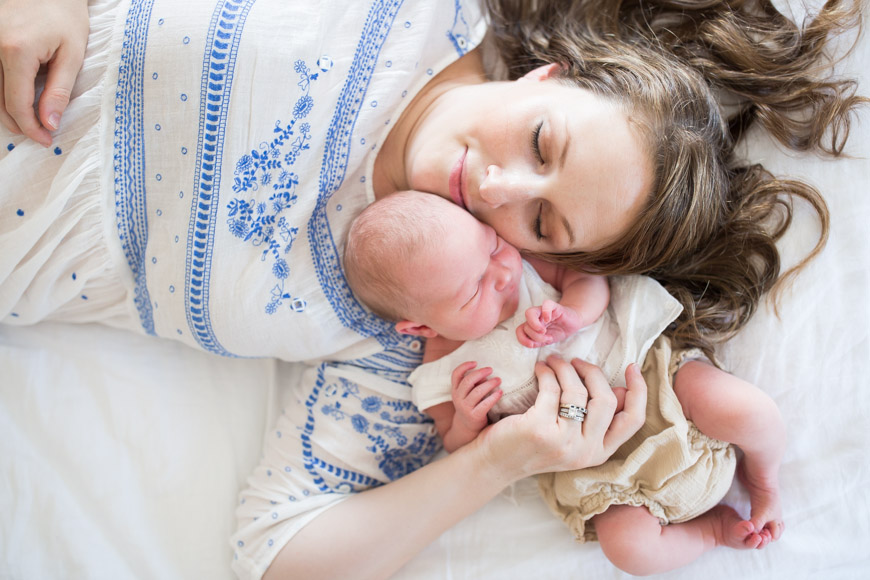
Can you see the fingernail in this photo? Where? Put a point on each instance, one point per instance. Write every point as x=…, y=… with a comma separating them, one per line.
x=54, y=121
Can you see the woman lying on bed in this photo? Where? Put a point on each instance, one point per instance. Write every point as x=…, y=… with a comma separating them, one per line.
x=199, y=184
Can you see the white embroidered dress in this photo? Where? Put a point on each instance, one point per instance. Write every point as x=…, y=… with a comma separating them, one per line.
x=199, y=189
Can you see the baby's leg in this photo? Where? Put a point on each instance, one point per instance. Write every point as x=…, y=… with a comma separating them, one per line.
x=635, y=542
x=730, y=409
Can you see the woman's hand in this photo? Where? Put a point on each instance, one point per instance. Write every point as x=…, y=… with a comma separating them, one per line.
x=540, y=440
x=375, y=522
x=34, y=33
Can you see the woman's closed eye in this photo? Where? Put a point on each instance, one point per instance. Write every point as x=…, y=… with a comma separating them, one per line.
x=536, y=142
x=536, y=224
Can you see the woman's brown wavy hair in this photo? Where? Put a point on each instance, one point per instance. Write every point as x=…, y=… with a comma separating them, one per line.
x=710, y=227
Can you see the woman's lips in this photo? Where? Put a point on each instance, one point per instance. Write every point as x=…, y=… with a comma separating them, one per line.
x=455, y=181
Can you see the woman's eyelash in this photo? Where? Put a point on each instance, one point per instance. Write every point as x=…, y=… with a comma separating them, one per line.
x=536, y=142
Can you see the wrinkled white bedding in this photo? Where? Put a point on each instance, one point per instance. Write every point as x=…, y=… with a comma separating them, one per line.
x=121, y=456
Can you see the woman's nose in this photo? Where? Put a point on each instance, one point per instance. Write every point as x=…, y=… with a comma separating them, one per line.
x=500, y=187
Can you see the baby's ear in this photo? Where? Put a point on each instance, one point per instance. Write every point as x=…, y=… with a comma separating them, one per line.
x=408, y=327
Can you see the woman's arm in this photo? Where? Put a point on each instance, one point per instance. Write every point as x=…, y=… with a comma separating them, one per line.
x=373, y=534
x=34, y=33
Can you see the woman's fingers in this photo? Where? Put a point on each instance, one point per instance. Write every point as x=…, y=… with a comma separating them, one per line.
x=19, y=78
x=33, y=33
x=62, y=73
x=633, y=414
x=602, y=401
x=540, y=440
x=574, y=392
x=548, y=389
x=5, y=118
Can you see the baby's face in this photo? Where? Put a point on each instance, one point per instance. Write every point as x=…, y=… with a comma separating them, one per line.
x=465, y=285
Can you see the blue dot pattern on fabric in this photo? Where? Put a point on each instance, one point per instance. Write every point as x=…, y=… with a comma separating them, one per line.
x=20, y=212
x=10, y=147
x=73, y=275
x=58, y=150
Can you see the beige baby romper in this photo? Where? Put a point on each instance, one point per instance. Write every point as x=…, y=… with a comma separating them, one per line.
x=668, y=466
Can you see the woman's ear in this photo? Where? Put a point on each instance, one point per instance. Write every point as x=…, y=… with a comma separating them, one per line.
x=543, y=72
x=413, y=328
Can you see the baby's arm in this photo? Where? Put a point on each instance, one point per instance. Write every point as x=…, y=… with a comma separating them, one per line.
x=584, y=299
x=474, y=393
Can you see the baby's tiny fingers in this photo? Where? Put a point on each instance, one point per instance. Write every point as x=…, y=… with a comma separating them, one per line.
x=460, y=371
x=533, y=318
x=538, y=337
x=471, y=379
x=482, y=390
x=547, y=309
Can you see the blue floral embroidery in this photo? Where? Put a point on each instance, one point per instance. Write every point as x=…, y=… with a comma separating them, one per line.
x=397, y=455
x=270, y=167
x=384, y=423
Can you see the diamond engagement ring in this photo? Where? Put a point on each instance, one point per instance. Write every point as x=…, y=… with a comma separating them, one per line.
x=573, y=412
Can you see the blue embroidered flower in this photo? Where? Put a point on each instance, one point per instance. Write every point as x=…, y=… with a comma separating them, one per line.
x=244, y=164
x=360, y=423
x=398, y=462
x=281, y=270
x=371, y=404
x=238, y=227
x=303, y=106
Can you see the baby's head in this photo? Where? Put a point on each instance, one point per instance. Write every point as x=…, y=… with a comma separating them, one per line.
x=429, y=265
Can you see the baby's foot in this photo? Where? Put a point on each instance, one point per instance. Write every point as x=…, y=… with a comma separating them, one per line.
x=731, y=530
x=766, y=512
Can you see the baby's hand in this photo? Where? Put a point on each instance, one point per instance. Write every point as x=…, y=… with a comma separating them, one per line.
x=474, y=393
x=547, y=324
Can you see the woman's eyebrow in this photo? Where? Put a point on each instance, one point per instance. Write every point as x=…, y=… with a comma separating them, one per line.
x=566, y=146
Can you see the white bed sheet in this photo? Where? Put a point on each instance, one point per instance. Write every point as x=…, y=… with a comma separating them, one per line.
x=121, y=456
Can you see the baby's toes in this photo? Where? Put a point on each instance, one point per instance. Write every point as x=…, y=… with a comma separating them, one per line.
x=743, y=528
x=776, y=529
x=765, y=538
x=752, y=541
